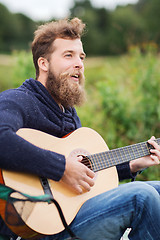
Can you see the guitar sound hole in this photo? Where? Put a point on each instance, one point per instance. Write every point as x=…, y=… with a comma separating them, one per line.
x=86, y=162
x=84, y=153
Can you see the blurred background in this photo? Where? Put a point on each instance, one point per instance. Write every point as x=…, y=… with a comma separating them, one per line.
x=122, y=44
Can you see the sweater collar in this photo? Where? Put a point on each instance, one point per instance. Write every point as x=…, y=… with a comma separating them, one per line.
x=39, y=90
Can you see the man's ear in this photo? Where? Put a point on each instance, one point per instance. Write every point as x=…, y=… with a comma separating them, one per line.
x=43, y=64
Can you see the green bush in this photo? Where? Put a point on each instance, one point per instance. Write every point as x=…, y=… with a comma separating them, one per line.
x=123, y=96
x=124, y=100
x=23, y=68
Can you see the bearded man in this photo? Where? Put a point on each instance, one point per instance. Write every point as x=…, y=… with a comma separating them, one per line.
x=47, y=104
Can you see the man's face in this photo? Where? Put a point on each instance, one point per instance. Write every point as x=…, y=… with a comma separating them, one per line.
x=66, y=72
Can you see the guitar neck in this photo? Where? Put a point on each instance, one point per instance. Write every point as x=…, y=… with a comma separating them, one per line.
x=117, y=156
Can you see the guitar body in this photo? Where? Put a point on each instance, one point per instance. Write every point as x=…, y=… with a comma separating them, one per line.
x=44, y=218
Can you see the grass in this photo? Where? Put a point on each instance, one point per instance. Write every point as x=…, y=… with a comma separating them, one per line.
x=6, y=71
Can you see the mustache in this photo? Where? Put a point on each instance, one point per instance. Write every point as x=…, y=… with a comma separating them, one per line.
x=73, y=73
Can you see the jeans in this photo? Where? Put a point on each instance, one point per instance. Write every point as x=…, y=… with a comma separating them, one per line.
x=133, y=205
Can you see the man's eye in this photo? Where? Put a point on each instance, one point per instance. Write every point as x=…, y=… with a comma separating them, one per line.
x=68, y=55
x=82, y=58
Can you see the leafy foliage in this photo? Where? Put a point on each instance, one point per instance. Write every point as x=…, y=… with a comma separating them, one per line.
x=16, y=30
x=123, y=96
x=108, y=32
x=23, y=69
x=124, y=99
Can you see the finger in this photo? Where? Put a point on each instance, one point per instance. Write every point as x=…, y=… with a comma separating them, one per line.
x=90, y=173
x=155, y=159
x=154, y=144
x=152, y=138
x=156, y=152
x=85, y=186
x=85, y=183
x=79, y=158
x=82, y=186
x=90, y=181
x=78, y=189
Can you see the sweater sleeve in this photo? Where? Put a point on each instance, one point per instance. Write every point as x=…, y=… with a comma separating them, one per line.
x=124, y=172
x=17, y=154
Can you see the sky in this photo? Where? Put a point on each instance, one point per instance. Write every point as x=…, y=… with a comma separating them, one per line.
x=46, y=9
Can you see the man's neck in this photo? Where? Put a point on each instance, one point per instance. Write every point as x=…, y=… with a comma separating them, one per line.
x=42, y=80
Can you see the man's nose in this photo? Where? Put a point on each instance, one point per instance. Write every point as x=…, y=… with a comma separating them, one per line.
x=79, y=63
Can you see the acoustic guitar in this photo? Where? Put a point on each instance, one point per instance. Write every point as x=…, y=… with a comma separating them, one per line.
x=43, y=218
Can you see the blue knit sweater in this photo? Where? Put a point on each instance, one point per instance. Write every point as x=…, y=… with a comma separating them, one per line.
x=31, y=106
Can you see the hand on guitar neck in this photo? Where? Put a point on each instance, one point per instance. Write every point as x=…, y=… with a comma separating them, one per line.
x=78, y=176
x=147, y=161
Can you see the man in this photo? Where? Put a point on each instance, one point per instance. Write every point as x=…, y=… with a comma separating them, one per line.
x=47, y=104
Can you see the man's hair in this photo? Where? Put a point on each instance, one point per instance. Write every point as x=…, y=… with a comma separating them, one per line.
x=42, y=45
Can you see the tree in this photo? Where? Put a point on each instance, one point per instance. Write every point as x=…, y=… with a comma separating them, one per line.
x=150, y=12
x=6, y=29
x=97, y=21
x=16, y=30
x=24, y=31
x=127, y=28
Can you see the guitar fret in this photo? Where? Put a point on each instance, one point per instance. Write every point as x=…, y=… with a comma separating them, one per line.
x=95, y=160
x=111, y=158
x=117, y=156
x=120, y=155
x=128, y=153
x=137, y=149
x=158, y=141
x=101, y=160
x=145, y=150
x=98, y=162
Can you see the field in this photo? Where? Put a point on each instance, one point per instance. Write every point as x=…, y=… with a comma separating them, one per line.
x=6, y=72
x=123, y=96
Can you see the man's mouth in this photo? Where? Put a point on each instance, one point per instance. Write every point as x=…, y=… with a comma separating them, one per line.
x=75, y=77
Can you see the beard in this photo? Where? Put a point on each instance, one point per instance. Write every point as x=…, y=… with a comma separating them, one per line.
x=64, y=90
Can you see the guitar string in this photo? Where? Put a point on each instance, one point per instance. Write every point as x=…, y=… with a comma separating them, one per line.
x=106, y=159
x=117, y=156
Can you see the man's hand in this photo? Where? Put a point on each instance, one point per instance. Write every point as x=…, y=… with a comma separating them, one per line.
x=77, y=175
x=147, y=161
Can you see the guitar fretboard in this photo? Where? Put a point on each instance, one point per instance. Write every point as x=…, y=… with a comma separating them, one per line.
x=117, y=156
